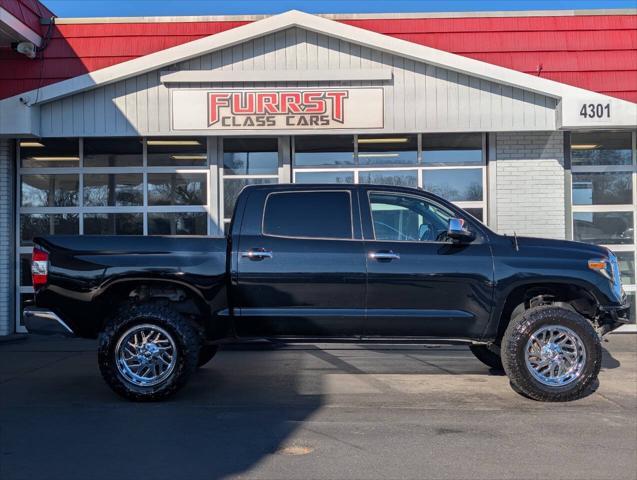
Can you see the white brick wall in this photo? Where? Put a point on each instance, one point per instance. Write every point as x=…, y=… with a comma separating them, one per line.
x=7, y=250
x=530, y=184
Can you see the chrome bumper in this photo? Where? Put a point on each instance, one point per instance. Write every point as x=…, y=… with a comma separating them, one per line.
x=45, y=322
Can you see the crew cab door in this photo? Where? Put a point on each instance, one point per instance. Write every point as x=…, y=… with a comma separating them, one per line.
x=419, y=282
x=300, y=264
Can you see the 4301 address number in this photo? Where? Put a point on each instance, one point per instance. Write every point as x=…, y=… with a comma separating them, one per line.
x=595, y=110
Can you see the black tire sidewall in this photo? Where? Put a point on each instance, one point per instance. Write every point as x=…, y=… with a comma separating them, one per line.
x=514, y=355
x=184, y=335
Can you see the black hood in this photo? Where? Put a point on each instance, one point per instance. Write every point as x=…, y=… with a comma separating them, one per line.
x=556, y=246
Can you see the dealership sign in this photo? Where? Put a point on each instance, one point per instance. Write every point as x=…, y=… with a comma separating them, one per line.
x=277, y=109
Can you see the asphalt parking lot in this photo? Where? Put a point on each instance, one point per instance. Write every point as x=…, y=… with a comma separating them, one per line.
x=312, y=412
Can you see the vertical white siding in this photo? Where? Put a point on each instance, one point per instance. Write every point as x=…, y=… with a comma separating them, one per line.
x=420, y=97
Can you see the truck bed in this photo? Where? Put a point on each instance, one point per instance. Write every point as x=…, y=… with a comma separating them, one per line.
x=82, y=268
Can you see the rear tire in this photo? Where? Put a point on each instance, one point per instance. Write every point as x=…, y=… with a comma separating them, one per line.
x=551, y=354
x=206, y=354
x=487, y=356
x=147, y=352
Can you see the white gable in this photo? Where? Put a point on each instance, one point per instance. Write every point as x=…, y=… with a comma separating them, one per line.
x=430, y=90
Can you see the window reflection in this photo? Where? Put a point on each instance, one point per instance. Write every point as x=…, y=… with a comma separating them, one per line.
x=387, y=149
x=176, y=151
x=399, y=178
x=177, y=189
x=113, y=224
x=232, y=188
x=101, y=190
x=608, y=188
x=113, y=152
x=178, y=223
x=455, y=184
x=50, y=190
x=41, y=224
x=601, y=148
x=604, y=227
x=323, y=150
x=50, y=152
x=452, y=149
x=251, y=156
x=324, y=177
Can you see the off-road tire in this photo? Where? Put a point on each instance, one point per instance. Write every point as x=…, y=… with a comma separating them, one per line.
x=186, y=338
x=206, y=353
x=514, y=361
x=487, y=356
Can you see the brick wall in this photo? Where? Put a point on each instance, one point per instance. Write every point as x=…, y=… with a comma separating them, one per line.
x=529, y=184
x=7, y=225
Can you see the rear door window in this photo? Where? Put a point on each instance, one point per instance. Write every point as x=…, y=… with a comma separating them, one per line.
x=320, y=214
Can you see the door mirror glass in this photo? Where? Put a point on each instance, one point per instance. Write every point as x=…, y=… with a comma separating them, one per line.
x=457, y=230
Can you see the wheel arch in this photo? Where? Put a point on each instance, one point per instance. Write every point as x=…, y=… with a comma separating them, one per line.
x=181, y=296
x=524, y=296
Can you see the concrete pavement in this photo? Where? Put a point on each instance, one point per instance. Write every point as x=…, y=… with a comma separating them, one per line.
x=311, y=412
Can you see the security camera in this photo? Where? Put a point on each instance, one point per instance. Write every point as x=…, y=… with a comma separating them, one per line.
x=27, y=49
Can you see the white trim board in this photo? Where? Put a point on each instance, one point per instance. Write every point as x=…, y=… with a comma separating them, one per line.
x=221, y=76
x=17, y=114
x=21, y=30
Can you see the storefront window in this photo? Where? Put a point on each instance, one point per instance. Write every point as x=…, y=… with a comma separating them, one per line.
x=251, y=156
x=440, y=167
x=113, y=152
x=452, y=149
x=324, y=177
x=232, y=188
x=177, y=223
x=318, y=150
x=39, y=224
x=177, y=151
x=604, y=171
x=102, y=190
x=177, y=189
x=49, y=153
x=113, y=224
x=602, y=188
x=50, y=190
x=601, y=148
x=399, y=178
x=455, y=185
x=387, y=149
x=605, y=228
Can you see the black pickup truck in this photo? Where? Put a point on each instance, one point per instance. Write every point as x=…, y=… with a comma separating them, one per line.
x=347, y=262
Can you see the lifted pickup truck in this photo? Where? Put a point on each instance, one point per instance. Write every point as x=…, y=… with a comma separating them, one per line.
x=348, y=262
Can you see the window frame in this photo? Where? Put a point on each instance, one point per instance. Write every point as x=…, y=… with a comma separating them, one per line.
x=479, y=233
x=607, y=208
x=287, y=192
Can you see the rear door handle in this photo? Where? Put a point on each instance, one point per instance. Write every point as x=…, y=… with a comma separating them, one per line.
x=257, y=254
x=384, y=256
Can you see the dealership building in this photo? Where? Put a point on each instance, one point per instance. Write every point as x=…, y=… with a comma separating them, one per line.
x=152, y=126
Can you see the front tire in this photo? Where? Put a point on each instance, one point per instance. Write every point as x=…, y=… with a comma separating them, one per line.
x=147, y=352
x=551, y=354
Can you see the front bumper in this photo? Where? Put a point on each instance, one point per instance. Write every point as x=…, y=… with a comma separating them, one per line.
x=45, y=322
x=614, y=317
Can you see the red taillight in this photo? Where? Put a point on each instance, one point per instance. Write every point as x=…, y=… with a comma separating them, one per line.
x=39, y=267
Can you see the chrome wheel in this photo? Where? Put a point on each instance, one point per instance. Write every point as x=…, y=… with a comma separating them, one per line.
x=146, y=355
x=555, y=355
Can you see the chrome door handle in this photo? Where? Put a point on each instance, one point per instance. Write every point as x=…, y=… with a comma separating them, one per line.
x=385, y=255
x=257, y=254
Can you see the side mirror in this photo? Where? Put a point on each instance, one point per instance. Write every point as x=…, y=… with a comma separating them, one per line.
x=457, y=231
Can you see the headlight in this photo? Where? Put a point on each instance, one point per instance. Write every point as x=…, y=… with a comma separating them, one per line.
x=609, y=268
